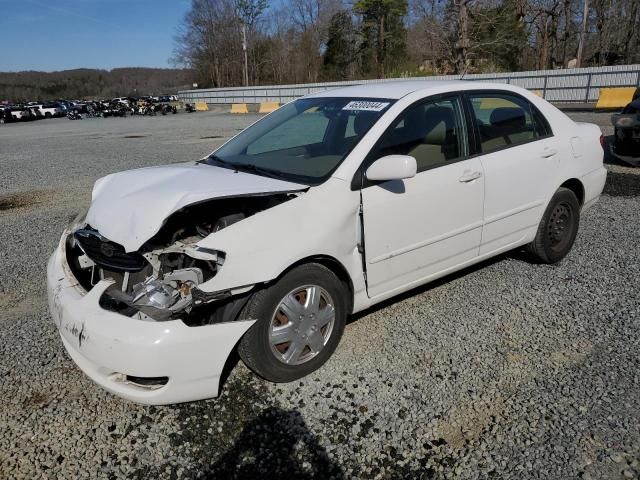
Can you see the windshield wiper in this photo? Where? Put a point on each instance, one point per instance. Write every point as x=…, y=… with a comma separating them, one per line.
x=242, y=167
x=250, y=168
x=216, y=159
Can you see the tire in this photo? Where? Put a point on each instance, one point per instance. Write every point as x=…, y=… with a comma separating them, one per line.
x=47, y=115
x=558, y=228
x=291, y=357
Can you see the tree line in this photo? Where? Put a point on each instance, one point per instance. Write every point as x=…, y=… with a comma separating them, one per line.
x=90, y=83
x=233, y=42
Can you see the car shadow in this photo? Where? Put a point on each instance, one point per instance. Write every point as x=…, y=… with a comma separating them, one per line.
x=232, y=361
x=519, y=255
x=275, y=445
x=393, y=186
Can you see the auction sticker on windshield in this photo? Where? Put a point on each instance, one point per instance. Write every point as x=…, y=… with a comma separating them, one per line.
x=365, y=105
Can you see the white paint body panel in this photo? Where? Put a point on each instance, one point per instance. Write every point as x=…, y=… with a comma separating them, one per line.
x=415, y=230
x=192, y=357
x=420, y=226
x=518, y=187
x=321, y=222
x=130, y=207
x=392, y=167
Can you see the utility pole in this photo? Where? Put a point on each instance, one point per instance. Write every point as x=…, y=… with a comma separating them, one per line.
x=244, y=49
x=585, y=16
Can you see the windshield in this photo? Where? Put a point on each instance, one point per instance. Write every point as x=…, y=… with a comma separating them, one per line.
x=304, y=141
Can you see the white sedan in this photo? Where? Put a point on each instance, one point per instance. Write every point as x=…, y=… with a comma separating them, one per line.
x=329, y=205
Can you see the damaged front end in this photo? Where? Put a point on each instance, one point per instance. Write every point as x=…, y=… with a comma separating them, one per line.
x=162, y=280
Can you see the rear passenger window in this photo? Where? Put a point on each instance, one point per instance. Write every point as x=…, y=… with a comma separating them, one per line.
x=505, y=121
x=432, y=132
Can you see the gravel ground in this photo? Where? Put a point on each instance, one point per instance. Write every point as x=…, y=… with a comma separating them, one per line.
x=506, y=370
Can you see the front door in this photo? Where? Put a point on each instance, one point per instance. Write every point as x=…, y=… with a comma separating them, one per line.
x=422, y=226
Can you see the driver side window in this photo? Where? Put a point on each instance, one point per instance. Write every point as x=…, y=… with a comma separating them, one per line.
x=432, y=132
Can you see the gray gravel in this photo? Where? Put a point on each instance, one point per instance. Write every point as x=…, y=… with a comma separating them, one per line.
x=507, y=370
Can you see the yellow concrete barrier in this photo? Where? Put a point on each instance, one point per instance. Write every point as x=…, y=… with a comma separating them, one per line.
x=489, y=103
x=268, y=107
x=239, y=108
x=615, y=97
x=202, y=107
x=538, y=93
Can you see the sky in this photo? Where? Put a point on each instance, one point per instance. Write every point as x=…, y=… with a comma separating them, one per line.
x=53, y=35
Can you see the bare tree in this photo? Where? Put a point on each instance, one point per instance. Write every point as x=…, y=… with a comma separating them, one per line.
x=288, y=41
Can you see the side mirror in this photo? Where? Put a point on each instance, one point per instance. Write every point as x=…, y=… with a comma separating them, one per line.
x=392, y=167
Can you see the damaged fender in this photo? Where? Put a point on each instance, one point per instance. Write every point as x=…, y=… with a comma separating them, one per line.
x=259, y=248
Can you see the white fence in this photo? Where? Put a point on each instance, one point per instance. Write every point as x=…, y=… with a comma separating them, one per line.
x=577, y=85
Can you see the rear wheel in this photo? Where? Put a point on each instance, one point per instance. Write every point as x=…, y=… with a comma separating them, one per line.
x=558, y=228
x=300, y=320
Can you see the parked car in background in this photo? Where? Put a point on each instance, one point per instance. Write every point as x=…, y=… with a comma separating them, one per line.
x=36, y=113
x=5, y=115
x=626, y=125
x=78, y=106
x=20, y=113
x=49, y=110
x=329, y=205
x=62, y=106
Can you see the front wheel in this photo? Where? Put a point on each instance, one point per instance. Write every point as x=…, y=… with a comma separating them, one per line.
x=558, y=228
x=300, y=320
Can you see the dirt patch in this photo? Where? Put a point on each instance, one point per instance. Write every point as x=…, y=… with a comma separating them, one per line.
x=36, y=399
x=210, y=136
x=135, y=136
x=24, y=199
x=14, y=305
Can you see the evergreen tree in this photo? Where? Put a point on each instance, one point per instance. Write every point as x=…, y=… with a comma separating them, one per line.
x=341, y=47
x=383, y=34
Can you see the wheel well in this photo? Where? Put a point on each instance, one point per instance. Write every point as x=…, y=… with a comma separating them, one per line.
x=332, y=264
x=576, y=187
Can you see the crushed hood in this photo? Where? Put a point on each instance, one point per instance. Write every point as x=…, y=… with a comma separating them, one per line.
x=130, y=207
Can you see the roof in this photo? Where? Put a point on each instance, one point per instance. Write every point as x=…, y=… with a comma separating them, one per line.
x=392, y=89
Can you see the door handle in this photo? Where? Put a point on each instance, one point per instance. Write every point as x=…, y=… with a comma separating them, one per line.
x=469, y=176
x=548, y=152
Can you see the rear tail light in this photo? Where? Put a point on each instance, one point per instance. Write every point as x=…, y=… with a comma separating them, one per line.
x=602, y=141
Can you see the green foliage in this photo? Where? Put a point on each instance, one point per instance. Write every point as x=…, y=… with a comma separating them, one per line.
x=501, y=33
x=341, y=51
x=382, y=33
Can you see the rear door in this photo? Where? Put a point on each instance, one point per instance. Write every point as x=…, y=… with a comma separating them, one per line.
x=424, y=225
x=519, y=156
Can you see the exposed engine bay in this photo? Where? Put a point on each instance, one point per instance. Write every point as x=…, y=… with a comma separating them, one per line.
x=160, y=281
